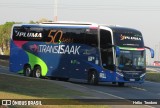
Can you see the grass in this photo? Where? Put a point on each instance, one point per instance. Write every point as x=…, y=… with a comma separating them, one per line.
x=24, y=87
x=14, y=87
x=29, y=88
x=153, y=76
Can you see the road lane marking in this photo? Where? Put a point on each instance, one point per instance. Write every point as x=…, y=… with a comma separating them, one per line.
x=108, y=94
x=137, y=88
x=118, y=97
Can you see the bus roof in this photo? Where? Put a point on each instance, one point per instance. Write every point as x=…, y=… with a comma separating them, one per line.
x=70, y=23
x=120, y=28
x=65, y=24
x=82, y=24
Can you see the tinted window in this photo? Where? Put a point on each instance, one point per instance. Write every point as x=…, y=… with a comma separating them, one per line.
x=82, y=36
x=74, y=35
x=91, y=38
x=56, y=35
x=27, y=33
x=105, y=37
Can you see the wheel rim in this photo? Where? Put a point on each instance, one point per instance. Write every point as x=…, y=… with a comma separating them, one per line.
x=92, y=78
x=38, y=73
x=28, y=71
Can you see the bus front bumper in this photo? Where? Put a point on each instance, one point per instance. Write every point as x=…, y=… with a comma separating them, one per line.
x=119, y=77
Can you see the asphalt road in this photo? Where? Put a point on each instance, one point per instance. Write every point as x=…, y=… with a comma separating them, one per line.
x=147, y=90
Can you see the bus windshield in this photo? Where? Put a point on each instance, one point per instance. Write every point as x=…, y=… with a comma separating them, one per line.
x=131, y=60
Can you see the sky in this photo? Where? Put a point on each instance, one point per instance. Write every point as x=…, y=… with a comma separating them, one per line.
x=143, y=15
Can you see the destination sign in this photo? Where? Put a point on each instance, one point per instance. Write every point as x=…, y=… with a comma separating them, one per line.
x=128, y=40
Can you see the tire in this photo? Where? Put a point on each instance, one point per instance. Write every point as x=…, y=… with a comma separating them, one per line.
x=37, y=72
x=93, y=78
x=121, y=84
x=27, y=71
x=114, y=83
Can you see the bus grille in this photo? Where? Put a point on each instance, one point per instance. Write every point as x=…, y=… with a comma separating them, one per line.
x=128, y=76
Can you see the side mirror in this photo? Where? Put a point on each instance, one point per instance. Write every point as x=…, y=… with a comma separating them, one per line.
x=152, y=51
x=117, y=51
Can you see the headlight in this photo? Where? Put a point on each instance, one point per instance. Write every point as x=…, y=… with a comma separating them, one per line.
x=102, y=75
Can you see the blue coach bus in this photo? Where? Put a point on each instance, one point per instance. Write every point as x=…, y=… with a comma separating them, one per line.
x=88, y=51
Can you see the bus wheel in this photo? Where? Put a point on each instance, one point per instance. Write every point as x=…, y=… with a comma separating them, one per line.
x=113, y=82
x=37, y=72
x=120, y=84
x=27, y=70
x=93, y=78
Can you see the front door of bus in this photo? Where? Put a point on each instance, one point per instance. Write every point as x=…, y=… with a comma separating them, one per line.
x=106, y=49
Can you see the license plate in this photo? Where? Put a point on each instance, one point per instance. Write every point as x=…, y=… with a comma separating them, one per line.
x=132, y=79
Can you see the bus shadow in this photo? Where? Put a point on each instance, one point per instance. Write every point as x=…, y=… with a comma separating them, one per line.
x=101, y=84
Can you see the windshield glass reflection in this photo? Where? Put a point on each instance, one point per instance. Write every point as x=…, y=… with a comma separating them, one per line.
x=131, y=60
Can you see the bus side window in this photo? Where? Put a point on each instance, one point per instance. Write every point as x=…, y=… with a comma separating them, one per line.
x=91, y=38
x=76, y=35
